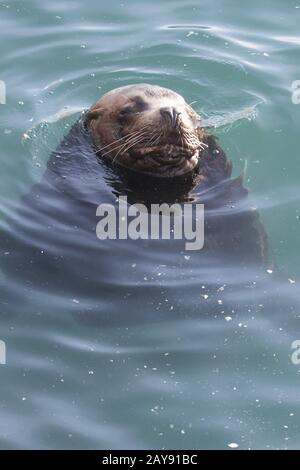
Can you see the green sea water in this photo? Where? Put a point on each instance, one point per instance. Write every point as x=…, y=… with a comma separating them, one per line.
x=188, y=384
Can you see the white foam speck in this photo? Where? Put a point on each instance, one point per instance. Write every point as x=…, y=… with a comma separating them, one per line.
x=233, y=445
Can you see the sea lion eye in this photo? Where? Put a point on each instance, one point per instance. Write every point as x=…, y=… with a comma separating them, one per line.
x=140, y=104
x=137, y=105
x=129, y=109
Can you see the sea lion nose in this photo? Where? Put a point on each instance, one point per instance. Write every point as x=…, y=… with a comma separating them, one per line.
x=171, y=114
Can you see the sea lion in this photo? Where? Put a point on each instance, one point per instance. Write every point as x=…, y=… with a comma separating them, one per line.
x=52, y=238
x=149, y=129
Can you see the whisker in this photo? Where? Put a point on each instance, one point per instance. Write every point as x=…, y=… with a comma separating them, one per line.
x=157, y=139
x=114, y=142
x=128, y=139
x=132, y=142
x=122, y=138
x=128, y=145
x=152, y=139
x=203, y=146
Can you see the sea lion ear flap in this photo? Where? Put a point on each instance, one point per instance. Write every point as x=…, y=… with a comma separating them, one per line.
x=92, y=114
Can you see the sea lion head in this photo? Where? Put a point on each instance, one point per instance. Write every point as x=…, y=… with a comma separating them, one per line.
x=148, y=129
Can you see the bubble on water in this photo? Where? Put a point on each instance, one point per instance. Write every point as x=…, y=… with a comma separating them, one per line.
x=191, y=33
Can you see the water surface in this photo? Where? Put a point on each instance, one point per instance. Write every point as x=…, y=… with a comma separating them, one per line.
x=198, y=379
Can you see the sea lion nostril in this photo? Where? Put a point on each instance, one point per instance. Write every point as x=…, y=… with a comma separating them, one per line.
x=171, y=114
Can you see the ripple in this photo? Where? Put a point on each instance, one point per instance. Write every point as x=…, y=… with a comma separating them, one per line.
x=100, y=352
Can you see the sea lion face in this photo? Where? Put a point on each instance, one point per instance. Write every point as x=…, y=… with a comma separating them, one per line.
x=147, y=128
